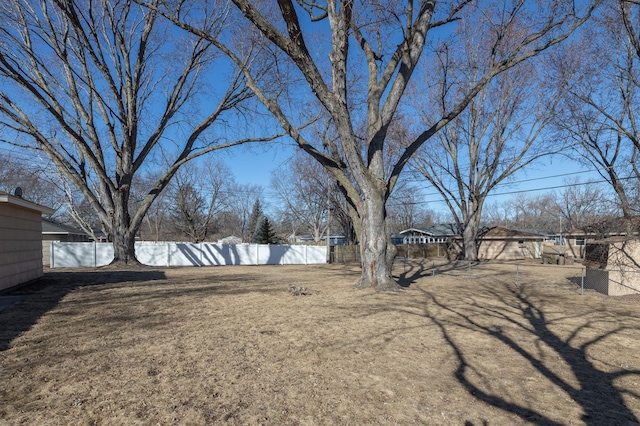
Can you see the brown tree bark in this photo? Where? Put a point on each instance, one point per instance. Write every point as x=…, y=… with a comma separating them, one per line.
x=361, y=100
x=377, y=252
x=89, y=85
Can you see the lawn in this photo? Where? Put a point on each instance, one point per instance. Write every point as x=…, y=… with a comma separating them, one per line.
x=232, y=345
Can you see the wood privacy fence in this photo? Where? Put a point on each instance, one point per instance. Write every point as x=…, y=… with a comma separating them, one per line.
x=351, y=254
x=422, y=251
x=188, y=254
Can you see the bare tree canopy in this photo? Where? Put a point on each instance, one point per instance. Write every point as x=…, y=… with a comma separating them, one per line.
x=599, y=73
x=303, y=191
x=197, y=199
x=30, y=175
x=107, y=88
x=353, y=61
x=501, y=131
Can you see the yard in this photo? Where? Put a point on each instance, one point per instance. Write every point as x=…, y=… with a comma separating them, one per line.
x=232, y=345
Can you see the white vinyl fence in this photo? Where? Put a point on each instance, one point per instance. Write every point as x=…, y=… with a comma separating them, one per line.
x=65, y=255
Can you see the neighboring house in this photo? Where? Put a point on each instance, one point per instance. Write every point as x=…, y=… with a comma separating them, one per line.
x=52, y=231
x=397, y=238
x=500, y=243
x=20, y=240
x=613, y=266
x=302, y=239
x=336, y=239
x=433, y=234
x=231, y=239
x=577, y=239
x=496, y=243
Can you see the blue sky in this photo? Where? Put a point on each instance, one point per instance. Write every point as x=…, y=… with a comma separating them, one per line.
x=254, y=165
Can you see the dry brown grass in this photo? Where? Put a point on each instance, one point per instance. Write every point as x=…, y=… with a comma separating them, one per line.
x=233, y=345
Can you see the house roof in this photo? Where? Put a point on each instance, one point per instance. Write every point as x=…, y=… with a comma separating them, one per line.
x=440, y=230
x=498, y=232
x=611, y=226
x=21, y=202
x=50, y=227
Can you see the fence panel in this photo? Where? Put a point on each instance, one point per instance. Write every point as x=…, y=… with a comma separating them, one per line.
x=152, y=254
x=299, y=255
x=80, y=255
x=184, y=254
x=187, y=254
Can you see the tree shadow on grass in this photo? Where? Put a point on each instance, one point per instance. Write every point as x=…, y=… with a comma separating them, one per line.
x=44, y=294
x=596, y=392
x=147, y=285
x=415, y=269
x=412, y=270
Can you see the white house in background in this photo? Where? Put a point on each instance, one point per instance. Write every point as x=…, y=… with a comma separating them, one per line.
x=20, y=240
x=231, y=239
x=433, y=234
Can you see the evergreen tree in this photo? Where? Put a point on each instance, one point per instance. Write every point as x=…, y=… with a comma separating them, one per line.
x=255, y=220
x=266, y=234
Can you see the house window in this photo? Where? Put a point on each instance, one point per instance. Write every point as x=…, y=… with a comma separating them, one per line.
x=580, y=241
x=521, y=243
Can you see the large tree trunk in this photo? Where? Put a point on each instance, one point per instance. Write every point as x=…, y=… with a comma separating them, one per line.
x=469, y=242
x=470, y=232
x=376, y=249
x=123, y=237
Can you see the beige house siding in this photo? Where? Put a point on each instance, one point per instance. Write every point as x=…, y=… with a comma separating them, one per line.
x=46, y=248
x=574, y=249
x=20, y=245
x=613, y=268
x=509, y=250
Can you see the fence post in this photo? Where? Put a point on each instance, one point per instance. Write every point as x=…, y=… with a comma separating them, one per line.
x=582, y=283
x=95, y=254
x=433, y=268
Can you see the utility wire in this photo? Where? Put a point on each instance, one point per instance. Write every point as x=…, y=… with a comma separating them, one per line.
x=517, y=191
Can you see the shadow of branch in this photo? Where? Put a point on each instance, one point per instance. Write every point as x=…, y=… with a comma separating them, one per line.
x=596, y=392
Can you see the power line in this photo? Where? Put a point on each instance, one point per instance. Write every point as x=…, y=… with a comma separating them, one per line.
x=521, y=191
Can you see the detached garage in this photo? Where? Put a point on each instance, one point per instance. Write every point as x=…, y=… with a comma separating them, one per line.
x=499, y=243
x=20, y=240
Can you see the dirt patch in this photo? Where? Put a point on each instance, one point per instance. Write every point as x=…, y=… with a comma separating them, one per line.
x=234, y=345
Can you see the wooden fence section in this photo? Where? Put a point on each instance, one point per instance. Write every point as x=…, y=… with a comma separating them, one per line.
x=351, y=254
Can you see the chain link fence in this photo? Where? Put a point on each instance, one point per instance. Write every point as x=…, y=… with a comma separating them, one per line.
x=575, y=277
x=430, y=260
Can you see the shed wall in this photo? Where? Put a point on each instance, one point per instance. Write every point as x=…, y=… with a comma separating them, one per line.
x=20, y=245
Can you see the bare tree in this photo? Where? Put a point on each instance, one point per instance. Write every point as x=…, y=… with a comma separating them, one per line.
x=599, y=75
x=302, y=189
x=104, y=87
x=496, y=136
x=30, y=174
x=197, y=199
x=239, y=201
x=575, y=205
x=382, y=42
x=535, y=212
x=406, y=210
x=583, y=203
